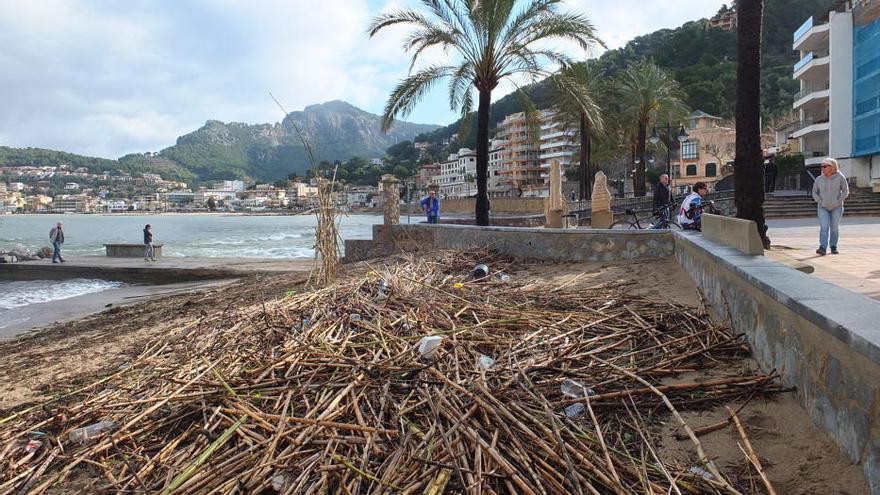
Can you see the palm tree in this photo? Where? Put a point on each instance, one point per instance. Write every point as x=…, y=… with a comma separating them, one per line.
x=588, y=120
x=647, y=93
x=492, y=42
x=748, y=165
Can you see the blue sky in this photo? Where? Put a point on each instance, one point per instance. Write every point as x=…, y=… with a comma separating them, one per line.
x=105, y=78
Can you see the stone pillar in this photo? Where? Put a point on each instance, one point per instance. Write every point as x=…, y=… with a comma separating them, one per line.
x=600, y=203
x=554, y=204
x=391, y=199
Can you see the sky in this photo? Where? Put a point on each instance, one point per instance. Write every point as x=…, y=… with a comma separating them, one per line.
x=110, y=77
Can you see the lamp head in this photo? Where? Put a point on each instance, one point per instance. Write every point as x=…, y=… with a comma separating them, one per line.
x=654, y=137
x=682, y=134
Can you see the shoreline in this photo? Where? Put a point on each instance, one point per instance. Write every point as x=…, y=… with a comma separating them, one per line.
x=39, y=316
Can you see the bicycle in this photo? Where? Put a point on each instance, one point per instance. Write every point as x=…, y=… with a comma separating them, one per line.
x=664, y=220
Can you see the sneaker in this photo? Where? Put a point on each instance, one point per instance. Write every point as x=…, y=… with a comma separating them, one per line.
x=820, y=251
x=834, y=250
x=63, y=260
x=146, y=259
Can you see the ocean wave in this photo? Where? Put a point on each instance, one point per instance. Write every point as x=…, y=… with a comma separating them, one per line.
x=18, y=294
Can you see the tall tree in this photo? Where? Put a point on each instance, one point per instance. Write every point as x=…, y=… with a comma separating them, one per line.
x=647, y=93
x=588, y=120
x=748, y=166
x=493, y=40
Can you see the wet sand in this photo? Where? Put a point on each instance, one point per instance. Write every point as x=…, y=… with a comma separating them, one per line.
x=17, y=321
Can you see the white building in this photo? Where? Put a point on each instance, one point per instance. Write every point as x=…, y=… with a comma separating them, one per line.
x=839, y=101
x=557, y=144
x=230, y=185
x=71, y=186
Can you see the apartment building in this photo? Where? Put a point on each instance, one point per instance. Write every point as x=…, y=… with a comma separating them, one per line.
x=521, y=162
x=839, y=100
x=557, y=144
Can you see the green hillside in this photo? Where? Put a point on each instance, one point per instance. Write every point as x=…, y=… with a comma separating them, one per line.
x=702, y=59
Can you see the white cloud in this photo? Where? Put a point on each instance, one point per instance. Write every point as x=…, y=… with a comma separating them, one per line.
x=105, y=78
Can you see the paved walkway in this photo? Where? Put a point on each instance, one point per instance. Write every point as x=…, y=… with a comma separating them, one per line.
x=856, y=268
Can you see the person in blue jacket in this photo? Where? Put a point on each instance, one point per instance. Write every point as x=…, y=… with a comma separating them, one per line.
x=430, y=204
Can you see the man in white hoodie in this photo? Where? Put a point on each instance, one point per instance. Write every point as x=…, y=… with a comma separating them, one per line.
x=829, y=191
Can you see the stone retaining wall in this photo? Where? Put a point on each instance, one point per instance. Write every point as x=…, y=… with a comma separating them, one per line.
x=822, y=339
x=521, y=242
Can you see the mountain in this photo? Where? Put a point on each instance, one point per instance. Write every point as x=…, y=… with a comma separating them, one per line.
x=702, y=59
x=335, y=130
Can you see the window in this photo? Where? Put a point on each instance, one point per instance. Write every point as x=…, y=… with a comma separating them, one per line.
x=690, y=150
x=691, y=170
x=711, y=170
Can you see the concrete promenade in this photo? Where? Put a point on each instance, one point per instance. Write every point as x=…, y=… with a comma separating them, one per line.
x=856, y=268
x=136, y=270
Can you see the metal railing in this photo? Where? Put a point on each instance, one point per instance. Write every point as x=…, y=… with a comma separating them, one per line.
x=808, y=122
x=810, y=88
x=640, y=203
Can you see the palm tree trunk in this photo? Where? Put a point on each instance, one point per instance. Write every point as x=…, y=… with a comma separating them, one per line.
x=639, y=176
x=482, y=203
x=586, y=184
x=748, y=164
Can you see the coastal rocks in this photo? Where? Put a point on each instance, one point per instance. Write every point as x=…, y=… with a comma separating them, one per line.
x=8, y=258
x=44, y=252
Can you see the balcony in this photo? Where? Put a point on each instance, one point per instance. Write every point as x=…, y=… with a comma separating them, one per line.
x=807, y=126
x=813, y=65
x=810, y=36
x=814, y=156
x=557, y=154
x=812, y=94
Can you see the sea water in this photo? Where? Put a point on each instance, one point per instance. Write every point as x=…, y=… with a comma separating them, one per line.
x=200, y=235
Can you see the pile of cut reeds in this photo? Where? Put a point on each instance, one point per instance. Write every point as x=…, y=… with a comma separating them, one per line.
x=325, y=391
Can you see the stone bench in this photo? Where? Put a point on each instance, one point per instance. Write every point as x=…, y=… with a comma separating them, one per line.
x=737, y=233
x=130, y=250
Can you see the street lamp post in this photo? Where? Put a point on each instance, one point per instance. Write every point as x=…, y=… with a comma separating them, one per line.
x=667, y=139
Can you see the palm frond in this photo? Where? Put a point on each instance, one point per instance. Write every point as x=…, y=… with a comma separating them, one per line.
x=382, y=21
x=411, y=90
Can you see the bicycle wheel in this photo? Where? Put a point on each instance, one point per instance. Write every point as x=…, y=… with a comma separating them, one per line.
x=673, y=225
x=623, y=225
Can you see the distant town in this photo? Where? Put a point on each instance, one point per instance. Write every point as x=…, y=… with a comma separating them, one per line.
x=60, y=189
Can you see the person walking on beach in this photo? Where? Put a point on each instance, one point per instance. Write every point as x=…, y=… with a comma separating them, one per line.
x=56, y=236
x=431, y=206
x=149, y=253
x=691, y=211
x=829, y=191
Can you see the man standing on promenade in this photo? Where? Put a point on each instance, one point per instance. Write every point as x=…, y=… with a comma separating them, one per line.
x=149, y=253
x=662, y=202
x=431, y=206
x=56, y=235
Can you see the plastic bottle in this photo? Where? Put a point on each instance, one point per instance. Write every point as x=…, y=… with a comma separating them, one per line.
x=86, y=433
x=384, y=286
x=503, y=277
x=485, y=362
x=575, y=390
x=575, y=410
x=428, y=346
x=480, y=271
x=706, y=475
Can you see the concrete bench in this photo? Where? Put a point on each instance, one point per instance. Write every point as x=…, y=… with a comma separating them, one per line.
x=737, y=233
x=130, y=250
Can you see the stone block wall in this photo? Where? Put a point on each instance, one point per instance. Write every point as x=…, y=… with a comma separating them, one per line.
x=521, y=242
x=822, y=339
